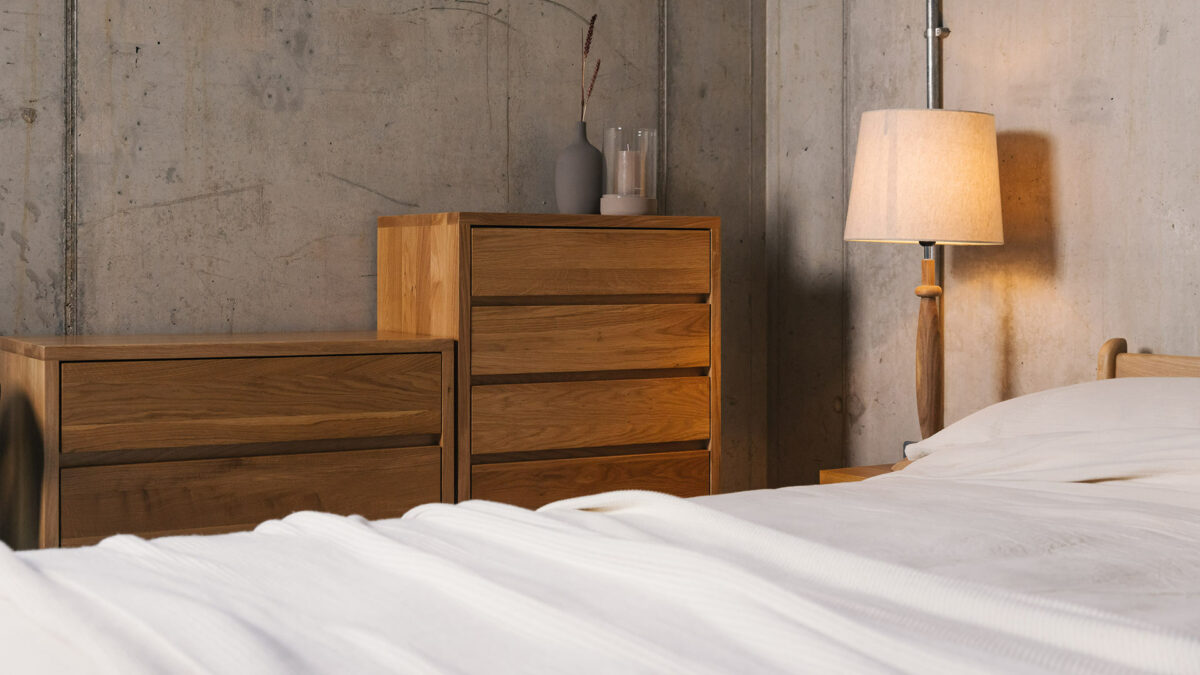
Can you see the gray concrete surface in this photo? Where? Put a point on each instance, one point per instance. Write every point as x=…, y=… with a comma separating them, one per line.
x=804, y=238
x=232, y=157
x=714, y=118
x=1096, y=112
x=31, y=184
x=1095, y=107
x=884, y=61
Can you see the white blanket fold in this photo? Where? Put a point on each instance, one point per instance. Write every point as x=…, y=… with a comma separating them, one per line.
x=620, y=582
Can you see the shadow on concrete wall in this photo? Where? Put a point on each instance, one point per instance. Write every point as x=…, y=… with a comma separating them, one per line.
x=805, y=371
x=1028, y=255
x=20, y=474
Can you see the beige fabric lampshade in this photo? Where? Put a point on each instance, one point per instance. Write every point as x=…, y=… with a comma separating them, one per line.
x=926, y=175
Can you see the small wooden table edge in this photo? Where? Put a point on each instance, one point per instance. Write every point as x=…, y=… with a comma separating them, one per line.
x=852, y=474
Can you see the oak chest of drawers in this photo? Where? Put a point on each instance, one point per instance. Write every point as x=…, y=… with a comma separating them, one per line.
x=588, y=346
x=155, y=435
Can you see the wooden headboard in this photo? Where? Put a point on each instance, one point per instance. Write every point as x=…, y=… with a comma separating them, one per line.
x=1115, y=361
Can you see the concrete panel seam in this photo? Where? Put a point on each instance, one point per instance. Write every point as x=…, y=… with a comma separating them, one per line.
x=70, y=171
x=663, y=207
x=845, y=267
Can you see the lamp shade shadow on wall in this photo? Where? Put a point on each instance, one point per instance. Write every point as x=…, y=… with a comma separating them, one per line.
x=805, y=414
x=1011, y=274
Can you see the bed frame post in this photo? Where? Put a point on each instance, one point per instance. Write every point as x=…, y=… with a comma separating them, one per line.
x=1106, y=368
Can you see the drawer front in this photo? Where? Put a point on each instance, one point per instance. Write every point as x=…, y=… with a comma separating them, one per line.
x=533, y=484
x=547, y=261
x=576, y=338
x=224, y=495
x=560, y=415
x=125, y=405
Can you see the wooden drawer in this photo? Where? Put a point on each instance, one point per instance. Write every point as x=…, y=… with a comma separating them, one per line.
x=533, y=484
x=560, y=415
x=126, y=405
x=551, y=261
x=576, y=338
x=224, y=495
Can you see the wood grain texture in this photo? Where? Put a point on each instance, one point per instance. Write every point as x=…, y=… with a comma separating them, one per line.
x=579, y=376
x=177, y=403
x=229, y=494
x=216, y=346
x=29, y=454
x=588, y=337
x=1106, y=364
x=247, y=395
x=552, y=415
x=853, y=474
x=1115, y=361
x=468, y=218
x=562, y=266
x=463, y=365
x=107, y=457
x=418, y=268
x=715, y=449
x=536, y=483
x=1157, y=365
x=930, y=359
x=449, y=447
x=556, y=261
x=641, y=299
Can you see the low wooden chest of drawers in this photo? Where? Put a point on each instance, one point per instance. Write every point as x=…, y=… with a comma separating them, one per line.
x=202, y=434
x=588, y=346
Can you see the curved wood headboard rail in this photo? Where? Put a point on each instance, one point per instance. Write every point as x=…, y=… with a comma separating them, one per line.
x=1116, y=361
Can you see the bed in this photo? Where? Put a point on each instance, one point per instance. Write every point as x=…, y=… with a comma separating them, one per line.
x=1056, y=532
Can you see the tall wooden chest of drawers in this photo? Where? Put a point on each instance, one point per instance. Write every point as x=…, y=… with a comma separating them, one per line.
x=155, y=435
x=588, y=346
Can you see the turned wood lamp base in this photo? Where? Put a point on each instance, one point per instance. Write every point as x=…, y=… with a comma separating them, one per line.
x=930, y=350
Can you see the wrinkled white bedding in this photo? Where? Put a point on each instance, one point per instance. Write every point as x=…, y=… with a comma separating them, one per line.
x=896, y=574
x=1015, y=543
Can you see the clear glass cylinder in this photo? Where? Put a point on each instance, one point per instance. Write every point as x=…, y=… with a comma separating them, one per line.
x=630, y=171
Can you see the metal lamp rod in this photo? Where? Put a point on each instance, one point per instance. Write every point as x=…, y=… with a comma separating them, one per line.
x=934, y=32
x=931, y=380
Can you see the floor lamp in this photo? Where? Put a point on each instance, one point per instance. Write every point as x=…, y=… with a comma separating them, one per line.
x=927, y=177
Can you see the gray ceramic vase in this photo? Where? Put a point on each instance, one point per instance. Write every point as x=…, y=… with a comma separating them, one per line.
x=579, y=175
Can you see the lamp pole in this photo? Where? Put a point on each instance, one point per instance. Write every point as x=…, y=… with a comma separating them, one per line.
x=931, y=359
x=934, y=32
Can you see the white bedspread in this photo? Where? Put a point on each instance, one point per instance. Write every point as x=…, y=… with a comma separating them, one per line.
x=897, y=574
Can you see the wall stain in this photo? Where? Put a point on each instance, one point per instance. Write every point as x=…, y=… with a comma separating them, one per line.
x=22, y=244
x=29, y=115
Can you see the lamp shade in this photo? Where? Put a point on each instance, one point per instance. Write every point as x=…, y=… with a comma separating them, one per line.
x=925, y=175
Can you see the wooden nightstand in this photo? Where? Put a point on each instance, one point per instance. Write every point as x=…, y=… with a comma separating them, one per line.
x=157, y=435
x=853, y=474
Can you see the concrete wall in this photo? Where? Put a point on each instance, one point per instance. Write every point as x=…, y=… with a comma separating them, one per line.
x=232, y=157
x=1095, y=103
x=31, y=177
x=1095, y=107
x=714, y=118
x=804, y=238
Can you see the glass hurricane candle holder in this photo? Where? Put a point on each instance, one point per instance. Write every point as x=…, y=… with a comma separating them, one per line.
x=630, y=172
